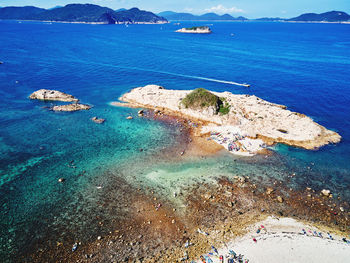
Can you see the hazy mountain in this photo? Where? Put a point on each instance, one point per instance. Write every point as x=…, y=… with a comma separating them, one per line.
x=332, y=16
x=270, y=19
x=187, y=16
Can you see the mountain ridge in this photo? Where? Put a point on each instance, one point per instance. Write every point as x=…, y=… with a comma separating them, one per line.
x=84, y=13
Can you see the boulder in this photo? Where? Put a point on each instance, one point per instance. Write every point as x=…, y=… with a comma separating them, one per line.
x=326, y=192
x=71, y=107
x=54, y=95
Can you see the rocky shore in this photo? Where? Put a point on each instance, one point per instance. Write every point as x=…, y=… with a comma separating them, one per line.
x=252, y=121
x=225, y=213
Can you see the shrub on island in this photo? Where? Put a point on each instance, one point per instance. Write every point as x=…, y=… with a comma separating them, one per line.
x=201, y=98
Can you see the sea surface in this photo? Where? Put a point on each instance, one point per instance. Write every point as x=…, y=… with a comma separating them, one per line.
x=302, y=65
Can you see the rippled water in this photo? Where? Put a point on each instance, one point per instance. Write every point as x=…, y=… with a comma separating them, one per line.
x=304, y=66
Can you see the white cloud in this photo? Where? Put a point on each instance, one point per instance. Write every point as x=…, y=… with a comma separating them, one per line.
x=222, y=9
x=187, y=9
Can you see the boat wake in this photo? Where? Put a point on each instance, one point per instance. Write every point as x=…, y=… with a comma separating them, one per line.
x=178, y=75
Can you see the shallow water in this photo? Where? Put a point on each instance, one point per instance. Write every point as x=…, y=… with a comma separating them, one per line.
x=304, y=66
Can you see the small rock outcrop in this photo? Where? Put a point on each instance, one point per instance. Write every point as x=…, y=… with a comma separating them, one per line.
x=98, y=120
x=71, y=107
x=195, y=30
x=54, y=95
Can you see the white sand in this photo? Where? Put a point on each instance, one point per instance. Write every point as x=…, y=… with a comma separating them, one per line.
x=284, y=241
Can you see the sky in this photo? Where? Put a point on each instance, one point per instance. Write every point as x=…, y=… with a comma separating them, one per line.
x=247, y=8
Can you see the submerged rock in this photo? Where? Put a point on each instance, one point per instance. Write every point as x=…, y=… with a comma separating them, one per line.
x=55, y=95
x=98, y=120
x=71, y=107
x=61, y=180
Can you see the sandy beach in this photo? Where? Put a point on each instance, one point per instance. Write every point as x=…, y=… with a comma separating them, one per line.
x=284, y=240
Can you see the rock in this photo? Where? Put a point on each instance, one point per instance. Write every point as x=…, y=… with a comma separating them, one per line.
x=269, y=190
x=280, y=199
x=208, y=196
x=97, y=120
x=326, y=192
x=61, y=180
x=129, y=118
x=55, y=95
x=71, y=107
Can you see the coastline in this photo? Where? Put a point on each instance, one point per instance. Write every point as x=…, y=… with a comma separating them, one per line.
x=215, y=214
x=88, y=23
x=155, y=227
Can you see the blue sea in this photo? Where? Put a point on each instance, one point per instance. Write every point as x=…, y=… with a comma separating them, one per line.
x=302, y=65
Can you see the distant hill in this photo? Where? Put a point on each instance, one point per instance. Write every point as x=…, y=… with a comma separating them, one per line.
x=332, y=16
x=270, y=19
x=25, y=12
x=135, y=15
x=208, y=17
x=81, y=13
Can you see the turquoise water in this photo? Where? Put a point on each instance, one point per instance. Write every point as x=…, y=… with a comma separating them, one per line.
x=304, y=66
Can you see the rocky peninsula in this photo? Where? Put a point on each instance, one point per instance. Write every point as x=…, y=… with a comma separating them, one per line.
x=55, y=95
x=243, y=124
x=195, y=30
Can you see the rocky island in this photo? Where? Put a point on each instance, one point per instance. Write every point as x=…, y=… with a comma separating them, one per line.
x=55, y=95
x=243, y=124
x=195, y=30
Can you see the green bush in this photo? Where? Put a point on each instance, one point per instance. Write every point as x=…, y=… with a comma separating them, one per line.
x=202, y=98
x=196, y=27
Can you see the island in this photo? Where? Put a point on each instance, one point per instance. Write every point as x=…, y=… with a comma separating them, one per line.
x=71, y=107
x=195, y=30
x=55, y=95
x=243, y=124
